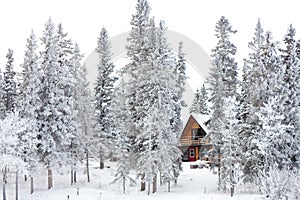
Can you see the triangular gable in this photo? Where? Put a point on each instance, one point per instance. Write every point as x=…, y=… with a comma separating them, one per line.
x=199, y=120
x=190, y=120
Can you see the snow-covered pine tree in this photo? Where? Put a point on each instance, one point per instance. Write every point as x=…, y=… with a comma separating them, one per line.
x=180, y=71
x=230, y=148
x=223, y=84
x=56, y=127
x=10, y=149
x=178, y=103
x=252, y=99
x=138, y=49
x=9, y=84
x=200, y=102
x=204, y=109
x=29, y=104
x=84, y=110
x=168, y=133
x=273, y=142
x=66, y=104
x=291, y=104
x=2, y=106
x=195, y=108
x=103, y=96
x=122, y=140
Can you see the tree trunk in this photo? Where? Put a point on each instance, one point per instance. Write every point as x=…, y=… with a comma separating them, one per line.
x=143, y=184
x=160, y=180
x=31, y=185
x=149, y=185
x=4, y=171
x=124, y=185
x=72, y=181
x=176, y=176
x=154, y=187
x=231, y=190
x=87, y=165
x=17, y=185
x=169, y=186
x=101, y=161
x=75, y=176
x=50, y=179
x=25, y=177
x=219, y=171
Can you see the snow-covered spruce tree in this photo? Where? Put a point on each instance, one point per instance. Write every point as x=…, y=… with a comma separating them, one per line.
x=84, y=110
x=29, y=104
x=252, y=99
x=2, y=106
x=137, y=53
x=280, y=183
x=223, y=84
x=103, y=96
x=180, y=72
x=122, y=140
x=9, y=84
x=66, y=73
x=11, y=147
x=170, y=104
x=204, y=109
x=291, y=104
x=56, y=127
x=272, y=139
x=178, y=103
x=200, y=102
x=195, y=108
x=230, y=148
x=149, y=75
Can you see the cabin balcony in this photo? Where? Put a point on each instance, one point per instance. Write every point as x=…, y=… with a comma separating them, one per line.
x=191, y=140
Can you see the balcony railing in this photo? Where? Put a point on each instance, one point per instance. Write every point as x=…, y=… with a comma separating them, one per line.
x=190, y=140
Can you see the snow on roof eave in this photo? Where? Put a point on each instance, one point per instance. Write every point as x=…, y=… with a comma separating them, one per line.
x=201, y=120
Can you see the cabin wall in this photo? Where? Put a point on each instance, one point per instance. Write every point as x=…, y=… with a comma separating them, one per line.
x=188, y=129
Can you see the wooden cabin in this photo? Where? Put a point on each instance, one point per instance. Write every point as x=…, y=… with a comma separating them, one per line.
x=194, y=142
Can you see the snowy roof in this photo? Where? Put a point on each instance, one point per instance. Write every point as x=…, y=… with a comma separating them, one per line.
x=201, y=120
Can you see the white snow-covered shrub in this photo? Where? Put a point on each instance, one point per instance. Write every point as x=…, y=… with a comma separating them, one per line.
x=280, y=183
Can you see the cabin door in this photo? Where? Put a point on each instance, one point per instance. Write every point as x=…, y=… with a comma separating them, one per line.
x=192, y=154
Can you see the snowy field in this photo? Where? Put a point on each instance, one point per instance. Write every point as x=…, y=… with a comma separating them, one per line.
x=192, y=184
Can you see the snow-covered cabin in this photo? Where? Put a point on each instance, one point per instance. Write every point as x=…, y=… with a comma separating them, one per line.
x=194, y=142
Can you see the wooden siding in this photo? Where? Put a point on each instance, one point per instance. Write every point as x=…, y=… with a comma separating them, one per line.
x=197, y=142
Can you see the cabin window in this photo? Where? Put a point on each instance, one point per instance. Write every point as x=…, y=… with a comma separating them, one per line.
x=198, y=133
x=195, y=134
x=192, y=153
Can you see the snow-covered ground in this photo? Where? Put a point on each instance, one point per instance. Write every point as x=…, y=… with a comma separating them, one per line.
x=192, y=184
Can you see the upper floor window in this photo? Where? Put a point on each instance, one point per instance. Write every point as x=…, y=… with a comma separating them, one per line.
x=198, y=133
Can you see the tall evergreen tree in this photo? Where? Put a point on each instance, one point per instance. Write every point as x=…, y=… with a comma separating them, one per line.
x=138, y=49
x=230, y=148
x=29, y=104
x=199, y=105
x=84, y=110
x=56, y=119
x=195, y=108
x=253, y=98
x=122, y=139
x=9, y=85
x=223, y=84
x=2, y=106
x=103, y=97
x=291, y=103
x=150, y=78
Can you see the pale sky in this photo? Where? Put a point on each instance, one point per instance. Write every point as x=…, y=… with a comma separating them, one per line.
x=195, y=19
